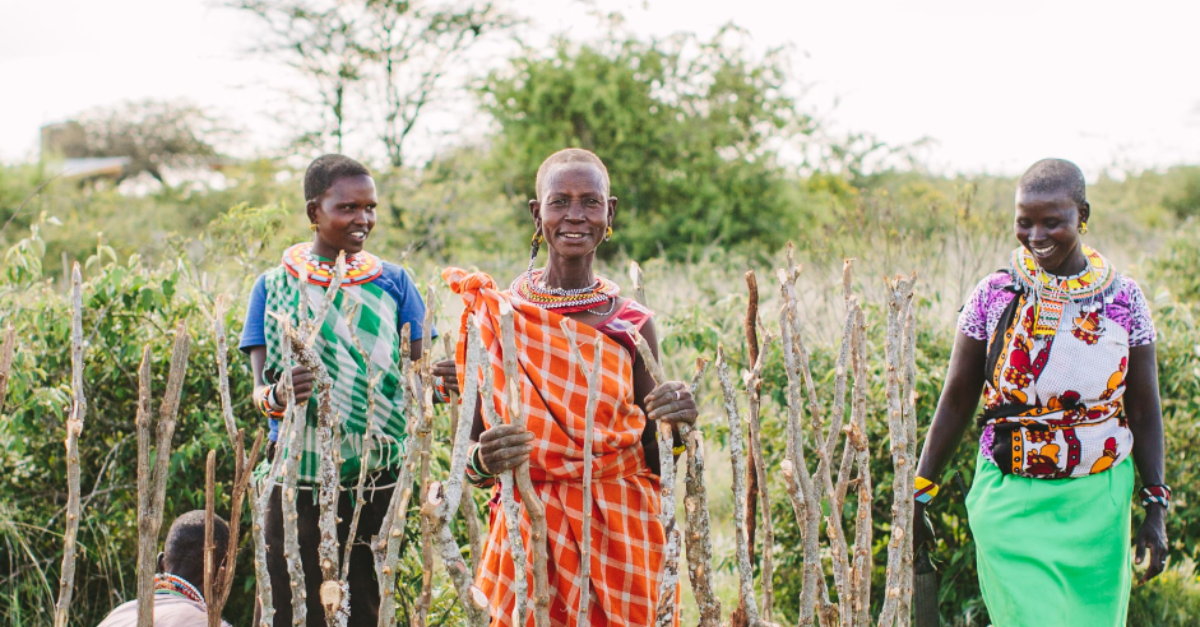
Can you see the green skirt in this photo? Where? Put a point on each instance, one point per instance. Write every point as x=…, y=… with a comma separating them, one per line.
x=1052, y=552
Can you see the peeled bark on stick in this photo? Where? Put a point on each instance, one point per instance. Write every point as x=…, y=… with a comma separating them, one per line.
x=6, y=361
x=369, y=439
x=899, y=295
x=801, y=492
x=261, y=496
x=66, y=582
x=428, y=524
x=444, y=498
x=666, y=458
x=220, y=307
x=592, y=374
x=909, y=396
x=737, y=456
x=210, y=546
x=152, y=481
x=512, y=511
x=863, y=527
x=753, y=462
x=386, y=545
x=538, y=533
x=697, y=536
x=294, y=415
x=466, y=503
x=753, y=382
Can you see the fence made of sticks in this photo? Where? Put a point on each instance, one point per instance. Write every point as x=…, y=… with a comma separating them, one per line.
x=827, y=460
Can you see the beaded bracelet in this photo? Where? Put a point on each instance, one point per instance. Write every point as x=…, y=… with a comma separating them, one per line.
x=924, y=490
x=440, y=395
x=1158, y=494
x=264, y=400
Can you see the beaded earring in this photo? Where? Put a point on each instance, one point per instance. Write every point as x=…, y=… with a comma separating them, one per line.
x=534, y=245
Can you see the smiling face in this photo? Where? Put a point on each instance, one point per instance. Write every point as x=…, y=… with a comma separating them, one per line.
x=344, y=215
x=574, y=210
x=1047, y=225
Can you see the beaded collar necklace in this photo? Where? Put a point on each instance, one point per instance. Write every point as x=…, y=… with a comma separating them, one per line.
x=528, y=287
x=174, y=584
x=361, y=267
x=1092, y=288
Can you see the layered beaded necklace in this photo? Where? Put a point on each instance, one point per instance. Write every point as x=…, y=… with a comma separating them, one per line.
x=361, y=267
x=166, y=582
x=1090, y=288
x=529, y=287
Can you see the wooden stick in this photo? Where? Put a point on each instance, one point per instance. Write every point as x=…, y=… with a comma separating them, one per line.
x=466, y=503
x=210, y=547
x=696, y=514
x=244, y=467
x=368, y=445
x=592, y=374
x=538, y=533
x=220, y=307
x=635, y=275
x=428, y=524
x=863, y=526
x=738, y=458
x=443, y=498
x=666, y=458
x=147, y=535
x=753, y=462
x=753, y=382
x=261, y=496
x=6, y=360
x=295, y=416
x=909, y=397
x=66, y=582
x=801, y=492
x=900, y=293
x=512, y=511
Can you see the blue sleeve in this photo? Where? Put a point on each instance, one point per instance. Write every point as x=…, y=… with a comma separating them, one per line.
x=410, y=307
x=253, y=333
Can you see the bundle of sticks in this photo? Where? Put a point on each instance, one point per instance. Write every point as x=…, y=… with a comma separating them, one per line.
x=812, y=473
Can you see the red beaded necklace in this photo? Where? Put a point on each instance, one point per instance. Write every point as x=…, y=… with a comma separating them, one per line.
x=167, y=582
x=528, y=287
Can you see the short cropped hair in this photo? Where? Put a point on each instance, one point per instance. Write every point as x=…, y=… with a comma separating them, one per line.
x=184, y=549
x=325, y=170
x=569, y=156
x=1055, y=175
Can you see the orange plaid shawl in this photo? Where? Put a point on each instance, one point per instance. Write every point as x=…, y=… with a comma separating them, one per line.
x=627, y=537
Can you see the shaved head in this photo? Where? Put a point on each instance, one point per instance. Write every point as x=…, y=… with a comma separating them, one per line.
x=567, y=157
x=1050, y=176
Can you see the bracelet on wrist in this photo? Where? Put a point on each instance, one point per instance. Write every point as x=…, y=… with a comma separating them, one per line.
x=264, y=400
x=679, y=450
x=1156, y=494
x=475, y=473
x=924, y=490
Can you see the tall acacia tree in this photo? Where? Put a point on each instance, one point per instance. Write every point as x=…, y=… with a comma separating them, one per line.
x=395, y=53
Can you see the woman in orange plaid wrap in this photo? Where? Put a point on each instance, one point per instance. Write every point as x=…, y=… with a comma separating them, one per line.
x=573, y=214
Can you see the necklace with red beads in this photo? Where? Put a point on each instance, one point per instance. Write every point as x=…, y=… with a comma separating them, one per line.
x=167, y=582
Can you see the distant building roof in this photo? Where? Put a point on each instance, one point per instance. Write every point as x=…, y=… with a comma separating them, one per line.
x=94, y=166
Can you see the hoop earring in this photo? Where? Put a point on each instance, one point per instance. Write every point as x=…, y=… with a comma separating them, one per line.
x=608, y=234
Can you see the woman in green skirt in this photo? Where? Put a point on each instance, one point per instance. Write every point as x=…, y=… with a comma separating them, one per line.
x=1062, y=348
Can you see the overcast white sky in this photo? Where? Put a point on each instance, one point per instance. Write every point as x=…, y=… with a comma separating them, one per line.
x=1107, y=84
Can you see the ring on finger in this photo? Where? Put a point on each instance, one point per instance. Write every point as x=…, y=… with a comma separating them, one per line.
x=678, y=395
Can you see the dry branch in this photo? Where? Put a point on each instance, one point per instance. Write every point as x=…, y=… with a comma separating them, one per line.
x=6, y=361
x=666, y=458
x=223, y=584
x=210, y=547
x=444, y=498
x=218, y=324
x=592, y=374
x=737, y=455
x=466, y=502
x=899, y=299
x=753, y=462
x=805, y=504
x=295, y=416
x=697, y=537
x=538, y=533
x=753, y=382
x=66, y=582
x=512, y=511
x=424, y=373
x=152, y=481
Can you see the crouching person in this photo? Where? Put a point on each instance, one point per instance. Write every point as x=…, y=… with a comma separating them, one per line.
x=178, y=587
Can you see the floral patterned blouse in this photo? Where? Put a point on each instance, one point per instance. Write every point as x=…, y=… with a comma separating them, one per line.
x=1052, y=397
